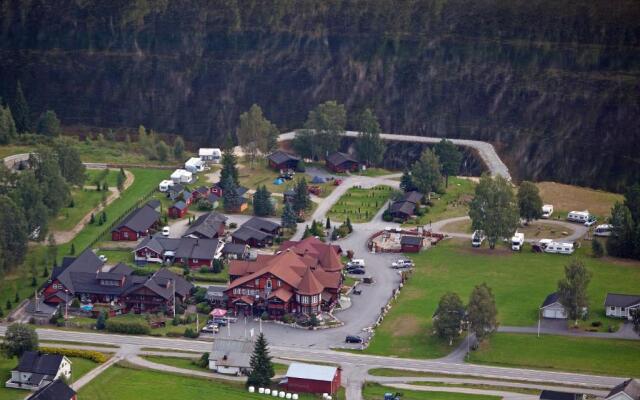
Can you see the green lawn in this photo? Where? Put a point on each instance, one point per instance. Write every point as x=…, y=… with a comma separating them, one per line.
x=187, y=363
x=374, y=391
x=99, y=175
x=84, y=200
x=79, y=367
x=520, y=282
x=453, y=203
x=126, y=383
x=375, y=172
x=360, y=205
x=588, y=355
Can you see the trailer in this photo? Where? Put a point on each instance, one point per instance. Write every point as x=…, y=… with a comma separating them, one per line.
x=578, y=216
x=559, y=248
x=547, y=210
x=517, y=241
x=603, y=230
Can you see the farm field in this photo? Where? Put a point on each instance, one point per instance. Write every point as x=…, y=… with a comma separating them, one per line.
x=579, y=354
x=79, y=367
x=360, y=205
x=453, y=203
x=374, y=391
x=520, y=282
x=567, y=198
x=535, y=229
x=127, y=383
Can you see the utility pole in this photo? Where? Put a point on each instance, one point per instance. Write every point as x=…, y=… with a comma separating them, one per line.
x=173, y=284
x=538, y=322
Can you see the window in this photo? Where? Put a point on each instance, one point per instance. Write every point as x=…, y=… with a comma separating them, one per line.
x=612, y=308
x=125, y=235
x=257, y=282
x=269, y=284
x=279, y=283
x=622, y=309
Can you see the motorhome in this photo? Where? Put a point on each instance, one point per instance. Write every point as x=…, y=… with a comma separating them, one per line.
x=559, y=248
x=477, y=238
x=165, y=185
x=194, y=165
x=578, y=216
x=517, y=241
x=547, y=210
x=603, y=230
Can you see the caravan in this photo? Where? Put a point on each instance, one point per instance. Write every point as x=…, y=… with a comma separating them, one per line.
x=547, y=210
x=517, y=241
x=578, y=216
x=477, y=238
x=165, y=185
x=559, y=248
x=603, y=230
x=181, y=176
x=194, y=165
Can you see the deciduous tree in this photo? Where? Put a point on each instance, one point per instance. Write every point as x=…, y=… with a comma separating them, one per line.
x=18, y=339
x=48, y=124
x=369, y=145
x=255, y=133
x=13, y=235
x=529, y=201
x=162, y=150
x=178, y=149
x=482, y=312
x=406, y=182
x=573, y=289
x=450, y=158
x=448, y=318
x=327, y=122
x=425, y=173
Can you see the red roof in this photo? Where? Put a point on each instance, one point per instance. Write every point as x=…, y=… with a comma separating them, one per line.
x=309, y=284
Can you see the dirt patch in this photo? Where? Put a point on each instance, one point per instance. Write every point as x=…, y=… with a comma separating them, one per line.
x=569, y=198
x=407, y=326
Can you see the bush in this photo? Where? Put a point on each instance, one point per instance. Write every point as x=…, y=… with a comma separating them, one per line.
x=75, y=303
x=597, y=248
x=203, y=362
x=596, y=323
x=173, y=334
x=233, y=225
x=191, y=333
x=386, y=216
x=134, y=328
x=203, y=308
x=94, y=356
x=420, y=211
x=288, y=319
x=264, y=316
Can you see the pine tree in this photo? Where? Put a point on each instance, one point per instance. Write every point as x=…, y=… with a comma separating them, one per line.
x=72, y=249
x=348, y=225
x=48, y=124
x=34, y=281
x=596, y=248
x=105, y=186
x=327, y=225
x=301, y=199
x=20, y=111
x=178, y=149
x=229, y=168
x=259, y=202
x=101, y=322
x=306, y=233
x=288, y=216
x=122, y=177
x=92, y=219
x=7, y=125
x=261, y=365
x=45, y=272
x=230, y=198
x=406, y=182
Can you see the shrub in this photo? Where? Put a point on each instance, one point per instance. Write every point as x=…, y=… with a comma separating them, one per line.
x=203, y=308
x=134, y=328
x=233, y=225
x=191, y=333
x=596, y=323
x=386, y=216
x=94, y=356
x=203, y=362
x=264, y=316
x=75, y=303
x=597, y=248
x=288, y=319
x=174, y=334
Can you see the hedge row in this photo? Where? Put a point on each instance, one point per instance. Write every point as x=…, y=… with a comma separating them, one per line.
x=94, y=356
x=134, y=328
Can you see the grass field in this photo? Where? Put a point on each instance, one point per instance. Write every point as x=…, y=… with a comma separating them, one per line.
x=188, y=363
x=588, y=355
x=567, y=198
x=374, y=391
x=126, y=383
x=360, y=205
x=520, y=282
x=453, y=203
x=84, y=201
x=535, y=229
x=79, y=367
x=98, y=175
x=375, y=172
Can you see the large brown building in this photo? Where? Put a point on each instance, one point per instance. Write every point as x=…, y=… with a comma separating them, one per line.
x=303, y=277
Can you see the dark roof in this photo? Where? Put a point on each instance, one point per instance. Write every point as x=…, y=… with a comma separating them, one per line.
x=337, y=158
x=280, y=156
x=554, y=395
x=87, y=262
x=245, y=233
x=261, y=224
x=411, y=240
x=207, y=225
x=552, y=298
x=153, y=203
x=56, y=390
x=203, y=249
x=241, y=190
x=630, y=387
x=67, y=260
x=403, y=207
x=161, y=284
x=38, y=363
x=412, y=197
x=181, y=205
x=141, y=219
x=234, y=248
x=212, y=197
x=621, y=300
x=202, y=190
x=289, y=192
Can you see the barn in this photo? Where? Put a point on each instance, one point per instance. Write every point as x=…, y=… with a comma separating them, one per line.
x=310, y=378
x=341, y=162
x=410, y=243
x=279, y=160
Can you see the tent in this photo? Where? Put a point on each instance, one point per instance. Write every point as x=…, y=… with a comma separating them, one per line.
x=218, y=312
x=278, y=181
x=318, y=179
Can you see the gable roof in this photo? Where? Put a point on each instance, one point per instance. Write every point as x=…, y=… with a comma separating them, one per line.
x=231, y=352
x=551, y=299
x=311, y=371
x=555, y=395
x=279, y=156
x=261, y=224
x=39, y=363
x=404, y=207
x=234, y=248
x=87, y=262
x=56, y=390
x=180, y=205
x=621, y=300
x=245, y=233
x=207, y=225
x=140, y=219
x=337, y=158
x=412, y=197
x=630, y=387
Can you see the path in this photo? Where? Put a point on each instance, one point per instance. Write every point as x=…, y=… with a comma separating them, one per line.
x=66, y=236
x=485, y=150
x=89, y=376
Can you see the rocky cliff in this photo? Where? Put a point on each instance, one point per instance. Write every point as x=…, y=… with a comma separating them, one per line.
x=554, y=84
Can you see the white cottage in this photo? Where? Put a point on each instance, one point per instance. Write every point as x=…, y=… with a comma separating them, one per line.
x=620, y=305
x=627, y=390
x=36, y=370
x=231, y=356
x=210, y=155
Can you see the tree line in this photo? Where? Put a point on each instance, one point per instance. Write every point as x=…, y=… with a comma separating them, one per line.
x=625, y=219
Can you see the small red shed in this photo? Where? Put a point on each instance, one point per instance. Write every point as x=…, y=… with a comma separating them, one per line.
x=411, y=243
x=178, y=210
x=311, y=378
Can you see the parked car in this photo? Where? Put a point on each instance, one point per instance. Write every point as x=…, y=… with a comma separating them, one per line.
x=402, y=264
x=103, y=258
x=356, y=271
x=353, y=339
x=166, y=231
x=592, y=220
x=356, y=291
x=211, y=328
x=220, y=321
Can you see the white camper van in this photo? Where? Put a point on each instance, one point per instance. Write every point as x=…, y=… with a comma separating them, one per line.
x=517, y=241
x=603, y=230
x=194, y=165
x=547, y=210
x=578, y=216
x=559, y=248
x=477, y=238
x=165, y=185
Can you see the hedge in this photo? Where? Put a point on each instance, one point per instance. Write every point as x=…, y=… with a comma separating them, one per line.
x=135, y=328
x=92, y=355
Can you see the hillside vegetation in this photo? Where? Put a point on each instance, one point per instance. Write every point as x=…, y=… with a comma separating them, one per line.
x=553, y=84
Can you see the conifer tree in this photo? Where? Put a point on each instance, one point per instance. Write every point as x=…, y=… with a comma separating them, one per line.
x=261, y=365
x=20, y=111
x=288, y=216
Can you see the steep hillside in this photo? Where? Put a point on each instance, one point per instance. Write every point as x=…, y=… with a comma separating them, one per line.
x=555, y=85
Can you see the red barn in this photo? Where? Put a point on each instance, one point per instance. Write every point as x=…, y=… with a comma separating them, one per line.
x=411, y=244
x=311, y=378
x=341, y=162
x=178, y=210
x=137, y=224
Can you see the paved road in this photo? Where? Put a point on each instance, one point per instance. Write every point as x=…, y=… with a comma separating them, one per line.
x=486, y=150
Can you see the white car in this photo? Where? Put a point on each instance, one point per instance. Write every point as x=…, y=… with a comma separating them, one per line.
x=103, y=258
x=592, y=220
x=211, y=328
x=165, y=231
x=402, y=264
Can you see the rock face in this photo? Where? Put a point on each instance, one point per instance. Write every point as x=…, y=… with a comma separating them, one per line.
x=555, y=85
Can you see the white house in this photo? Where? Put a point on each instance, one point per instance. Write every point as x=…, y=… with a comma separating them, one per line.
x=210, y=155
x=181, y=176
x=552, y=308
x=36, y=370
x=194, y=165
x=620, y=305
x=230, y=356
x=627, y=390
